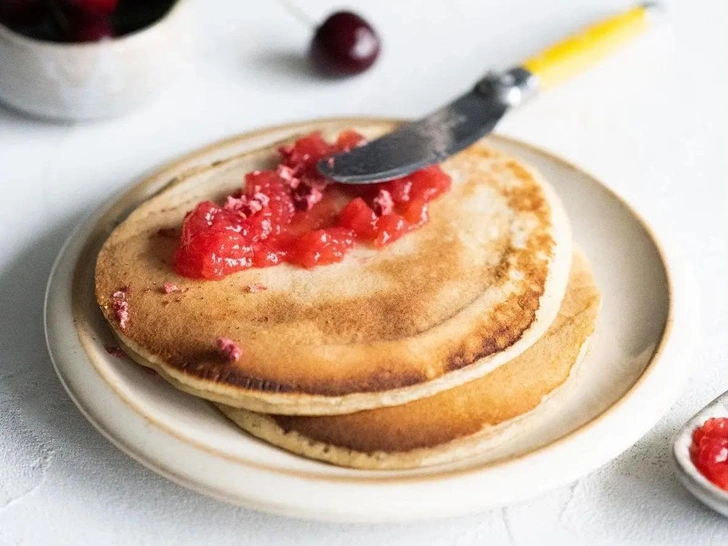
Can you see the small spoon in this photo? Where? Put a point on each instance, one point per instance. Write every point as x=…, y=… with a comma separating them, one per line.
x=705, y=491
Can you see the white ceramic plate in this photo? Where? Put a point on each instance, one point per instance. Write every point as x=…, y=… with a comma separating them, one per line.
x=633, y=372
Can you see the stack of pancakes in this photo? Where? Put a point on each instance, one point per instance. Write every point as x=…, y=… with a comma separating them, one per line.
x=398, y=357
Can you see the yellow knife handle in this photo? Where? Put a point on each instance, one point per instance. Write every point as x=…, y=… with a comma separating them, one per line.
x=582, y=50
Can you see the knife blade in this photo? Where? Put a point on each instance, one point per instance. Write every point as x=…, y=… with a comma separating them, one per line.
x=416, y=145
x=459, y=124
x=432, y=139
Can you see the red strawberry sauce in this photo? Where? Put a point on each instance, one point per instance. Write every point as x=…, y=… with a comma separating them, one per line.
x=292, y=214
x=709, y=450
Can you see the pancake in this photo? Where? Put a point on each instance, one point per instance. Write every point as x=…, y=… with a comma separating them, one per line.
x=450, y=302
x=453, y=424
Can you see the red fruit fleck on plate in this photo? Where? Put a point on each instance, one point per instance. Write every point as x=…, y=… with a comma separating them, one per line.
x=90, y=29
x=344, y=44
x=93, y=8
x=115, y=351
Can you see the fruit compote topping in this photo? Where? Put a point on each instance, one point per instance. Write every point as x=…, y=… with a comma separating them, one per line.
x=709, y=450
x=80, y=20
x=293, y=214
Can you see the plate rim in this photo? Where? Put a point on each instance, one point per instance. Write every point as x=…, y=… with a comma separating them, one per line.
x=669, y=265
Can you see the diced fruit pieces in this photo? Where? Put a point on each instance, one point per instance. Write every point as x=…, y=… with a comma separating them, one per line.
x=359, y=217
x=265, y=255
x=716, y=427
x=323, y=246
x=275, y=188
x=348, y=139
x=305, y=153
x=399, y=190
x=290, y=214
x=212, y=244
x=383, y=203
x=416, y=213
x=709, y=450
x=390, y=227
x=425, y=184
x=428, y=183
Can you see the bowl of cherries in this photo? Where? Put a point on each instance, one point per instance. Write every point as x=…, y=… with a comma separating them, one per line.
x=89, y=59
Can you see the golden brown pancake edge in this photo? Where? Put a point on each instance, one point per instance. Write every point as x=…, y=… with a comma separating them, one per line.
x=453, y=424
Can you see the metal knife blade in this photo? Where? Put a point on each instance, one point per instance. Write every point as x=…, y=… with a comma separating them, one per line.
x=434, y=138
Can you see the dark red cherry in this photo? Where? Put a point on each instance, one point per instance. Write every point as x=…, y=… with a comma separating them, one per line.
x=93, y=8
x=90, y=29
x=21, y=12
x=344, y=44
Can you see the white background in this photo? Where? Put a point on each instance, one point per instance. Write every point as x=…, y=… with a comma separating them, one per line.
x=651, y=121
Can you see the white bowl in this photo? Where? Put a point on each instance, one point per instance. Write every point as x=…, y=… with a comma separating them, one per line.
x=705, y=491
x=80, y=81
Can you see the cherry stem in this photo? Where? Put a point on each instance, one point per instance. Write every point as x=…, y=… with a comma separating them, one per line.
x=298, y=14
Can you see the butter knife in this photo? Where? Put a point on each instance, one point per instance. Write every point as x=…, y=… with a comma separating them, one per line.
x=473, y=115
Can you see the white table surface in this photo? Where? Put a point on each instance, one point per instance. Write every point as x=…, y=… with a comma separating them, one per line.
x=652, y=121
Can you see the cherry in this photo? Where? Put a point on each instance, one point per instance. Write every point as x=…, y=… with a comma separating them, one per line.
x=21, y=12
x=90, y=29
x=93, y=8
x=344, y=44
